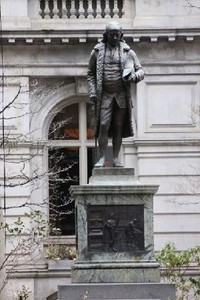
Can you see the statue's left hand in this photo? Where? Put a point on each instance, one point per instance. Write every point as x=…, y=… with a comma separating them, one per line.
x=131, y=77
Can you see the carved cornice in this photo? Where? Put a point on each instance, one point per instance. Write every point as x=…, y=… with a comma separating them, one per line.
x=47, y=37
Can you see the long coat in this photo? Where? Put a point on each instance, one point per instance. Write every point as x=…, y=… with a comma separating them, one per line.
x=95, y=81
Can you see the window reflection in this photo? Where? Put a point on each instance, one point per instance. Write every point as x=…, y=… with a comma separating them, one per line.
x=65, y=125
x=63, y=172
x=64, y=168
x=90, y=121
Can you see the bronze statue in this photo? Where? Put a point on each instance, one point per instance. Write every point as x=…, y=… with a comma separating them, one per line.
x=113, y=66
x=111, y=226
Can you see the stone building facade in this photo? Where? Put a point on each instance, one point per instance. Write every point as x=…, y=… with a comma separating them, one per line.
x=44, y=55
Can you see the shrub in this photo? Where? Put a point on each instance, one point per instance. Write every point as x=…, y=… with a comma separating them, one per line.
x=175, y=267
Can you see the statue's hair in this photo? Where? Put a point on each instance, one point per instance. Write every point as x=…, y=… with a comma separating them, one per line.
x=112, y=26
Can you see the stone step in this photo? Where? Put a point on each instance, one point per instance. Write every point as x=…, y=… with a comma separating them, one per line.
x=118, y=291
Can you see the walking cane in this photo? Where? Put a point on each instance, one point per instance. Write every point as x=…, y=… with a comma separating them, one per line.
x=95, y=151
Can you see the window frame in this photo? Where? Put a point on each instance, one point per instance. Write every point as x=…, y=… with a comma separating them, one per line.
x=82, y=143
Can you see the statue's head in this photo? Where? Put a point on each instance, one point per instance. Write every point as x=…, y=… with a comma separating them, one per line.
x=113, y=26
x=113, y=33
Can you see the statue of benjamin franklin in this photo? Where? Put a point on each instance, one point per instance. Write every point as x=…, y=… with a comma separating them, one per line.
x=113, y=66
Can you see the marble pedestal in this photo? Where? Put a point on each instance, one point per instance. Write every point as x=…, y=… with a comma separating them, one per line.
x=115, y=240
x=124, y=253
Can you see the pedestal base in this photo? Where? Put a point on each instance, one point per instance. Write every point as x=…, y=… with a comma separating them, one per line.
x=113, y=272
x=147, y=291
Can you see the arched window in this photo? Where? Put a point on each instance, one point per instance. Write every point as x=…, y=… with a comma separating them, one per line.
x=71, y=158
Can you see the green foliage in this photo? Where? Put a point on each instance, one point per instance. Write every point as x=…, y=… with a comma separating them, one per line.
x=196, y=283
x=38, y=225
x=15, y=229
x=27, y=238
x=23, y=294
x=175, y=265
x=59, y=251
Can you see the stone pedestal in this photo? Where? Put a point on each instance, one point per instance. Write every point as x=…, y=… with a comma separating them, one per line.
x=114, y=229
x=115, y=251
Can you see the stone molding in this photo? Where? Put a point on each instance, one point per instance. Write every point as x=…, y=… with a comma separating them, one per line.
x=48, y=36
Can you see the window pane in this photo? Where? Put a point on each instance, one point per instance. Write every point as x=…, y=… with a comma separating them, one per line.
x=63, y=172
x=65, y=124
x=90, y=121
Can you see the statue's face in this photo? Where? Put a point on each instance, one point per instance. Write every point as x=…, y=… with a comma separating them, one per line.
x=113, y=37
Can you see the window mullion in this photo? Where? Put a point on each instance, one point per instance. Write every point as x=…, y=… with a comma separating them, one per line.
x=83, y=137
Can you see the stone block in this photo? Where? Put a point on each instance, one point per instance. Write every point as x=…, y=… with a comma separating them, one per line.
x=114, y=229
x=114, y=272
x=147, y=291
